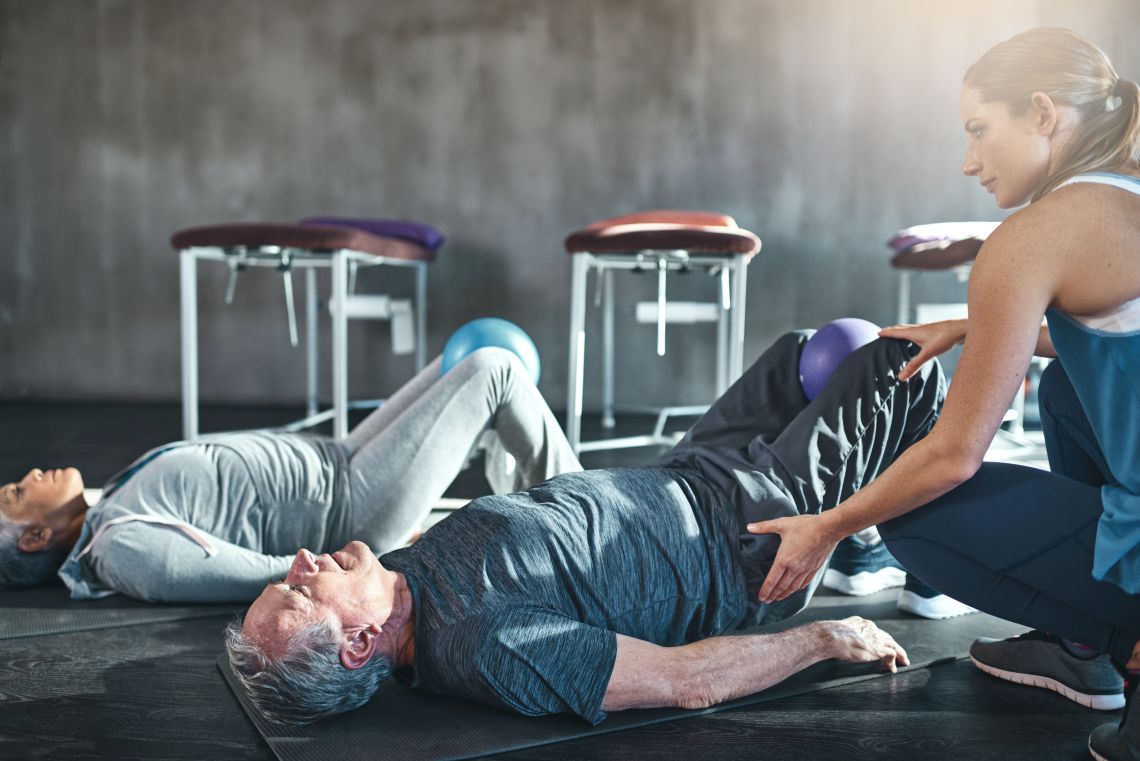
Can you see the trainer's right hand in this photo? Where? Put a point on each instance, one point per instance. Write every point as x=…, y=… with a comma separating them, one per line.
x=933, y=339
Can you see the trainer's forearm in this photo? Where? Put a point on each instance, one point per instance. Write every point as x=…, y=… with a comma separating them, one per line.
x=925, y=471
x=722, y=668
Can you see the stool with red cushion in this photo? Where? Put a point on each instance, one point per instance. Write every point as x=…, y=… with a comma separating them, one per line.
x=341, y=246
x=660, y=242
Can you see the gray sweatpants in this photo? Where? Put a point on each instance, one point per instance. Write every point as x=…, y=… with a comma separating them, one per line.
x=405, y=454
x=776, y=454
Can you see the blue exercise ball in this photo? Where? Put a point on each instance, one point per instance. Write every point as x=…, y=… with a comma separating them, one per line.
x=830, y=345
x=491, y=331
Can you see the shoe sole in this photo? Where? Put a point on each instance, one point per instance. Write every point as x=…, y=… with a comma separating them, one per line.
x=936, y=611
x=865, y=582
x=1095, y=702
x=1096, y=755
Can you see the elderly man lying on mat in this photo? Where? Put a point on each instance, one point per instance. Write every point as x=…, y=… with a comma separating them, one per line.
x=604, y=590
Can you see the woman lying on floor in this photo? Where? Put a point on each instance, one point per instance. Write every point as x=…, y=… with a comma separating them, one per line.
x=1049, y=123
x=216, y=519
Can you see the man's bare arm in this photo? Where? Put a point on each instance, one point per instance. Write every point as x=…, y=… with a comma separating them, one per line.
x=714, y=670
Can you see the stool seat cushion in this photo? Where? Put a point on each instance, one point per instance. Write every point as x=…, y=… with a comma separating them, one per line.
x=663, y=230
x=313, y=238
x=939, y=255
x=416, y=232
x=939, y=246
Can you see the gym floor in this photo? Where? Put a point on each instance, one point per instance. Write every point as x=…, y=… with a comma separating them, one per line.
x=151, y=691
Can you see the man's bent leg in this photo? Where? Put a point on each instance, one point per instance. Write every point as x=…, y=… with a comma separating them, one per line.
x=858, y=425
x=762, y=402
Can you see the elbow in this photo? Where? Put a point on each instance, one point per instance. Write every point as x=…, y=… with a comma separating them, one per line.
x=952, y=462
x=691, y=682
x=960, y=467
x=694, y=697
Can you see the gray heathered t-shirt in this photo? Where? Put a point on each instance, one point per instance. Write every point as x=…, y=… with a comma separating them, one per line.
x=517, y=598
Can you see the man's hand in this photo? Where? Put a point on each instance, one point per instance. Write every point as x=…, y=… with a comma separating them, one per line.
x=933, y=339
x=858, y=640
x=805, y=545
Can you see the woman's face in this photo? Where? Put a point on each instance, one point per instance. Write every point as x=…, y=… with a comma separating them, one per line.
x=39, y=493
x=1008, y=154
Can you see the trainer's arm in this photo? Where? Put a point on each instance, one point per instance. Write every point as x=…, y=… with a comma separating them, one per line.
x=714, y=670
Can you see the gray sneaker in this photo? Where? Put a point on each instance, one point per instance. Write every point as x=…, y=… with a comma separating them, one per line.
x=1039, y=660
x=1119, y=742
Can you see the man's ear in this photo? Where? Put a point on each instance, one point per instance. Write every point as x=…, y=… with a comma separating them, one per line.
x=358, y=646
x=1044, y=112
x=34, y=539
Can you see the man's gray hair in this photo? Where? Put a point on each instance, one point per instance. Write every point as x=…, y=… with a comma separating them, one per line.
x=24, y=569
x=308, y=682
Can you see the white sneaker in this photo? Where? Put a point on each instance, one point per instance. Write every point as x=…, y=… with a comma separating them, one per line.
x=921, y=600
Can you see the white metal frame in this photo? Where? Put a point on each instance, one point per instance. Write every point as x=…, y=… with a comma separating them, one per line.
x=732, y=277
x=342, y=264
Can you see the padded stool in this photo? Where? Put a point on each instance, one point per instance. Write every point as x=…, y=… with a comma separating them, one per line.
x=945, y=247
x=340, y=244
x=939, y=247
x=661, y=242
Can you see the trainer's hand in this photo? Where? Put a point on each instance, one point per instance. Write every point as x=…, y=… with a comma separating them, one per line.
x=858, y=640
x=933, y=339
x=804, y=548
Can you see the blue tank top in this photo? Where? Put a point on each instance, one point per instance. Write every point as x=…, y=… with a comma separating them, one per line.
x=1104, y=368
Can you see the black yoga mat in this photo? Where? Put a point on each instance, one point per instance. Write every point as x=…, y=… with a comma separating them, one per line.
x=406, y=725
x=49, y=610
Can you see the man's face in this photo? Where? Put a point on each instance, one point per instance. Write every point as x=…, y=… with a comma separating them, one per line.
x=39, y=493
x=349, y=586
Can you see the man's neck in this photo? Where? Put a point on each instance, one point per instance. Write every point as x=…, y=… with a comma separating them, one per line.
x=402, y=622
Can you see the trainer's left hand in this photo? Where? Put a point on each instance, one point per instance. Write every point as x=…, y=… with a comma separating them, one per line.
x=805, y=546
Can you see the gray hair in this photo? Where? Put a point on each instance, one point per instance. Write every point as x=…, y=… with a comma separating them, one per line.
x=24, y=569
x=308, y=682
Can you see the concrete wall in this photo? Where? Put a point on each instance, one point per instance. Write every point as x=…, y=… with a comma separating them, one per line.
x=823, y=125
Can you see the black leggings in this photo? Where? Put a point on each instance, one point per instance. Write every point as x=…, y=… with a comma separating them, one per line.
x=1017, y=542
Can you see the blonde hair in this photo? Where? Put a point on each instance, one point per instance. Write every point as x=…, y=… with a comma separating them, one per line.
x=1075, y=73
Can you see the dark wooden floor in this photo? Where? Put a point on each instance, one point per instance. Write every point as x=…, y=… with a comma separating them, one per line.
x=152, y=691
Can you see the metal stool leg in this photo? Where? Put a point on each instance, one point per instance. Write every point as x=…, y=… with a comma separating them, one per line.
x=339, y=287
x=188, y=292
x=722, y=331
x=579, y=268
x=736, y=328
x=312, y=380
x=904, y=298
x=421, y=315
x=607, y=348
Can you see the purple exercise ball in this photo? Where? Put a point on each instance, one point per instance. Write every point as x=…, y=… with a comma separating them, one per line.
x=830, y=345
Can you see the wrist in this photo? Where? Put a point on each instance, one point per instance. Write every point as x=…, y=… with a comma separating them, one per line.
x=832, y=525
x=825, y=641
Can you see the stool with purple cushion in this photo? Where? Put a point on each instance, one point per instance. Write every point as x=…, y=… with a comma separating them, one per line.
x=341, y=246
x=660, y=242
x=937, y=247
